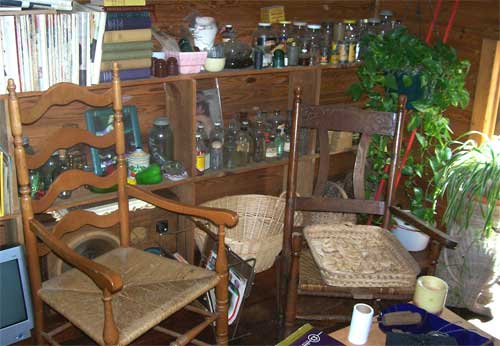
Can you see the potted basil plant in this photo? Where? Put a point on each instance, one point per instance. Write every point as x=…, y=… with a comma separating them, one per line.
x=470, y=180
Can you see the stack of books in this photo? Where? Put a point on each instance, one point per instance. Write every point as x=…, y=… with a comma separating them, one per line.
x=39, y=48
x=127, y=39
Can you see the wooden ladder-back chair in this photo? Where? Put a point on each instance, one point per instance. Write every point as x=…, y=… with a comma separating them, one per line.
x=125, y=292
x=340, y=247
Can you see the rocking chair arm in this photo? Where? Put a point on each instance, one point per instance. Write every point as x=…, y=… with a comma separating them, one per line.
x=215, y=215
x=437, y=235
x=103, y=277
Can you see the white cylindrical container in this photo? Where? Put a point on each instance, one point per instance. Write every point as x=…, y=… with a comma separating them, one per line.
x=430, y=294
x=361, y=322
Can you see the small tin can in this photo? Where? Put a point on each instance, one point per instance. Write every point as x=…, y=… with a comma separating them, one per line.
x=343, y=48
x=334, y=54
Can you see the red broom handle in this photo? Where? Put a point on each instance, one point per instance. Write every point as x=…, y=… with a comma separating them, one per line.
x=451, y=20
x=433, y=23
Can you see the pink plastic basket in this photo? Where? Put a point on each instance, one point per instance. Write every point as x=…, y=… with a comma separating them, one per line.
x=189, y=62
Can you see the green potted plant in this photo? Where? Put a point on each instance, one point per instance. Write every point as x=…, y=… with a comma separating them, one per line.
x=434, y=79
x=470, y=180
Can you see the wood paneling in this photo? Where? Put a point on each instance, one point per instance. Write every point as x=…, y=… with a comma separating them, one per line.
x=334, y=85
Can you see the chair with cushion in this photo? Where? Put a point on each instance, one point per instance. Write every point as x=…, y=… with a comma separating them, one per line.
x=344, y=259
x=120, y=295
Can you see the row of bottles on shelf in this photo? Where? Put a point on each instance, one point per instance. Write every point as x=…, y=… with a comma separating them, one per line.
x=266, y=138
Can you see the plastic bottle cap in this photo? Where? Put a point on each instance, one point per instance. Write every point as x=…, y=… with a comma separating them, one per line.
x=216, y=144
x=299, y=23
x=314, y=26
x=349, y=21
x=229, y=26
x=283, y=22
x=217, y=123
x=264, y=24
x=161, y=121
x=197, y=135
x=385, y=13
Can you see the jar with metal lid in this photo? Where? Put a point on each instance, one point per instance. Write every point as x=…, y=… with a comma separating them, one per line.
x=373, y=27
x=299, y=30
x=351, y=38
x=385, y=21
x=314, y=41
x=284, y=31
x=161, y=141
x=326, y=42
x=265, y=39
x=228, y=33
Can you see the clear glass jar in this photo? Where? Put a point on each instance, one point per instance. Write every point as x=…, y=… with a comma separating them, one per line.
x=300, y=36
x=351, y=39
x=228, y=33
x=299, y=30
x=229, y=155
x=385, y=21
x=216, y=155
x=284, y=31
x=260, y=140
x=265, y=39
x=237, y=53
x=373, y=27
x=161, y=141
x=314, y=41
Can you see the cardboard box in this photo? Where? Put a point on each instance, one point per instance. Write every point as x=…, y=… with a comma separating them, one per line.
x=272, y=14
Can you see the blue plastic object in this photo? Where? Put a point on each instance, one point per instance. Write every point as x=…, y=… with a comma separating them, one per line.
x=430, y=323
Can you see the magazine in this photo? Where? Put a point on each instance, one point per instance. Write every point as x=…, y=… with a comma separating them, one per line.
x=236, y=287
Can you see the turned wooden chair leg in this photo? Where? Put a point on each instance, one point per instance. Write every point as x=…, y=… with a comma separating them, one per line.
x=221, y=293
x=291, y=301
x=110, y=332
x=39, y=324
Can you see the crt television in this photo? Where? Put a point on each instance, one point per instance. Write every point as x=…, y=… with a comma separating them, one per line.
x=16, y=317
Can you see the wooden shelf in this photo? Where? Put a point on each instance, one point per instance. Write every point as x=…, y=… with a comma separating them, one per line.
x=202, y=75
x=82, y=196
x=9, y=217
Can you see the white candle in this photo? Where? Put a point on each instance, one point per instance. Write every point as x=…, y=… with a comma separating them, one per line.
x=361, y=322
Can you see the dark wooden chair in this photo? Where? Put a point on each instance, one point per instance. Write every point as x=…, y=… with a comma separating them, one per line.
x=301, y=271
x=125, y=292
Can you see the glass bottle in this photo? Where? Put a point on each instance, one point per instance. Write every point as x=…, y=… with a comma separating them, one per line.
x=271, y=152
x=237, y=53
x=243, y=144
x=62, y=167
x=292, y=54
x=48, y=170
x=314, y=41
x=286, y=146
x=200, y=151
x=284, y=31
x=229, y=154
x=161, y=141
x=279, y=142
x=260, y=140
x=275, y=121
x=228, y=33
x=217, y=133
x=351, y=39
x=206, y=141
x=373, y=27
x=216, y=155
x=361, y=33
x=385, y=21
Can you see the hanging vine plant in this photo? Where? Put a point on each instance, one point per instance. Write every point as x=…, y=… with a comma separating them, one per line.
x=433, y=78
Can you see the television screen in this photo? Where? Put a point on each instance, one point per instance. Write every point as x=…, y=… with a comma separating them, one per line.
x=11, y=295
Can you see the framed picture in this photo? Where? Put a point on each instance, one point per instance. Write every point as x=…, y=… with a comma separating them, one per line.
x=100, y=122
x=208, y=108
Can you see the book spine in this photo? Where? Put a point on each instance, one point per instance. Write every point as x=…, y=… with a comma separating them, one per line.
x=131, y=14
x=131, y=54
x=127, y=64
x=128, y=23
x=126, y=46
x=149, y=8
x=127, y=35
x=124, y=3
x=127, y=74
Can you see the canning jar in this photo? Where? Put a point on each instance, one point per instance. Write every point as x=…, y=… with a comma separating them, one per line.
x=161, y=141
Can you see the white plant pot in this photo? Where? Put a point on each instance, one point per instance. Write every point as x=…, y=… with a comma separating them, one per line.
x=410, y=237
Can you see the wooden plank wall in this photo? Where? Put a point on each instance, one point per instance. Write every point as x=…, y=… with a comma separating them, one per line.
x=245, y=14
x=475, y=20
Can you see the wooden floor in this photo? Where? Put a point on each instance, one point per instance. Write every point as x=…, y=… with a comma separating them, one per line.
x=258, y=325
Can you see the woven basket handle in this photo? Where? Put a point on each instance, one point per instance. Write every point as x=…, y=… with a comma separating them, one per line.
x=283, y=194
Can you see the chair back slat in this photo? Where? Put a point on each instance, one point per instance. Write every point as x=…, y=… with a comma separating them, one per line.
x=339, y=205
x=63, y=94
x=70, y=180
x=324, y=162
x=358, y=176
x=65, y=138
x=75, y=220
x=348, y=118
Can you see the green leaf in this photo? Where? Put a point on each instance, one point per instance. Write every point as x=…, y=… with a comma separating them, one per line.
x=418, y=193
x=355, y=91
x=407, y=81
x=421, y=140
x=390, y=82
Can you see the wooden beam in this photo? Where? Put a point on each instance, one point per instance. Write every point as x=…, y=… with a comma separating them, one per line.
x=487, y=95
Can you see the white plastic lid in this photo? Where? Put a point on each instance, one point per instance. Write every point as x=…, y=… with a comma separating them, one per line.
x=373, y=20
x=299, y=23
x=314, y=26
x=229, y=25
x=386, y=13
x=264, y=24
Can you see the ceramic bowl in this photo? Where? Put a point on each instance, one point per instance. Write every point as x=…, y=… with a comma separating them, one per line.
x=215, y=64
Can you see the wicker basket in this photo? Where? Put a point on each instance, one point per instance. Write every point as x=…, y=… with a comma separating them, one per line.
x=360, y=256
x=259, y=232
x=321, y=217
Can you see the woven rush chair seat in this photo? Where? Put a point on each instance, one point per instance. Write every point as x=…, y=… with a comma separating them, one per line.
x=153, y=289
